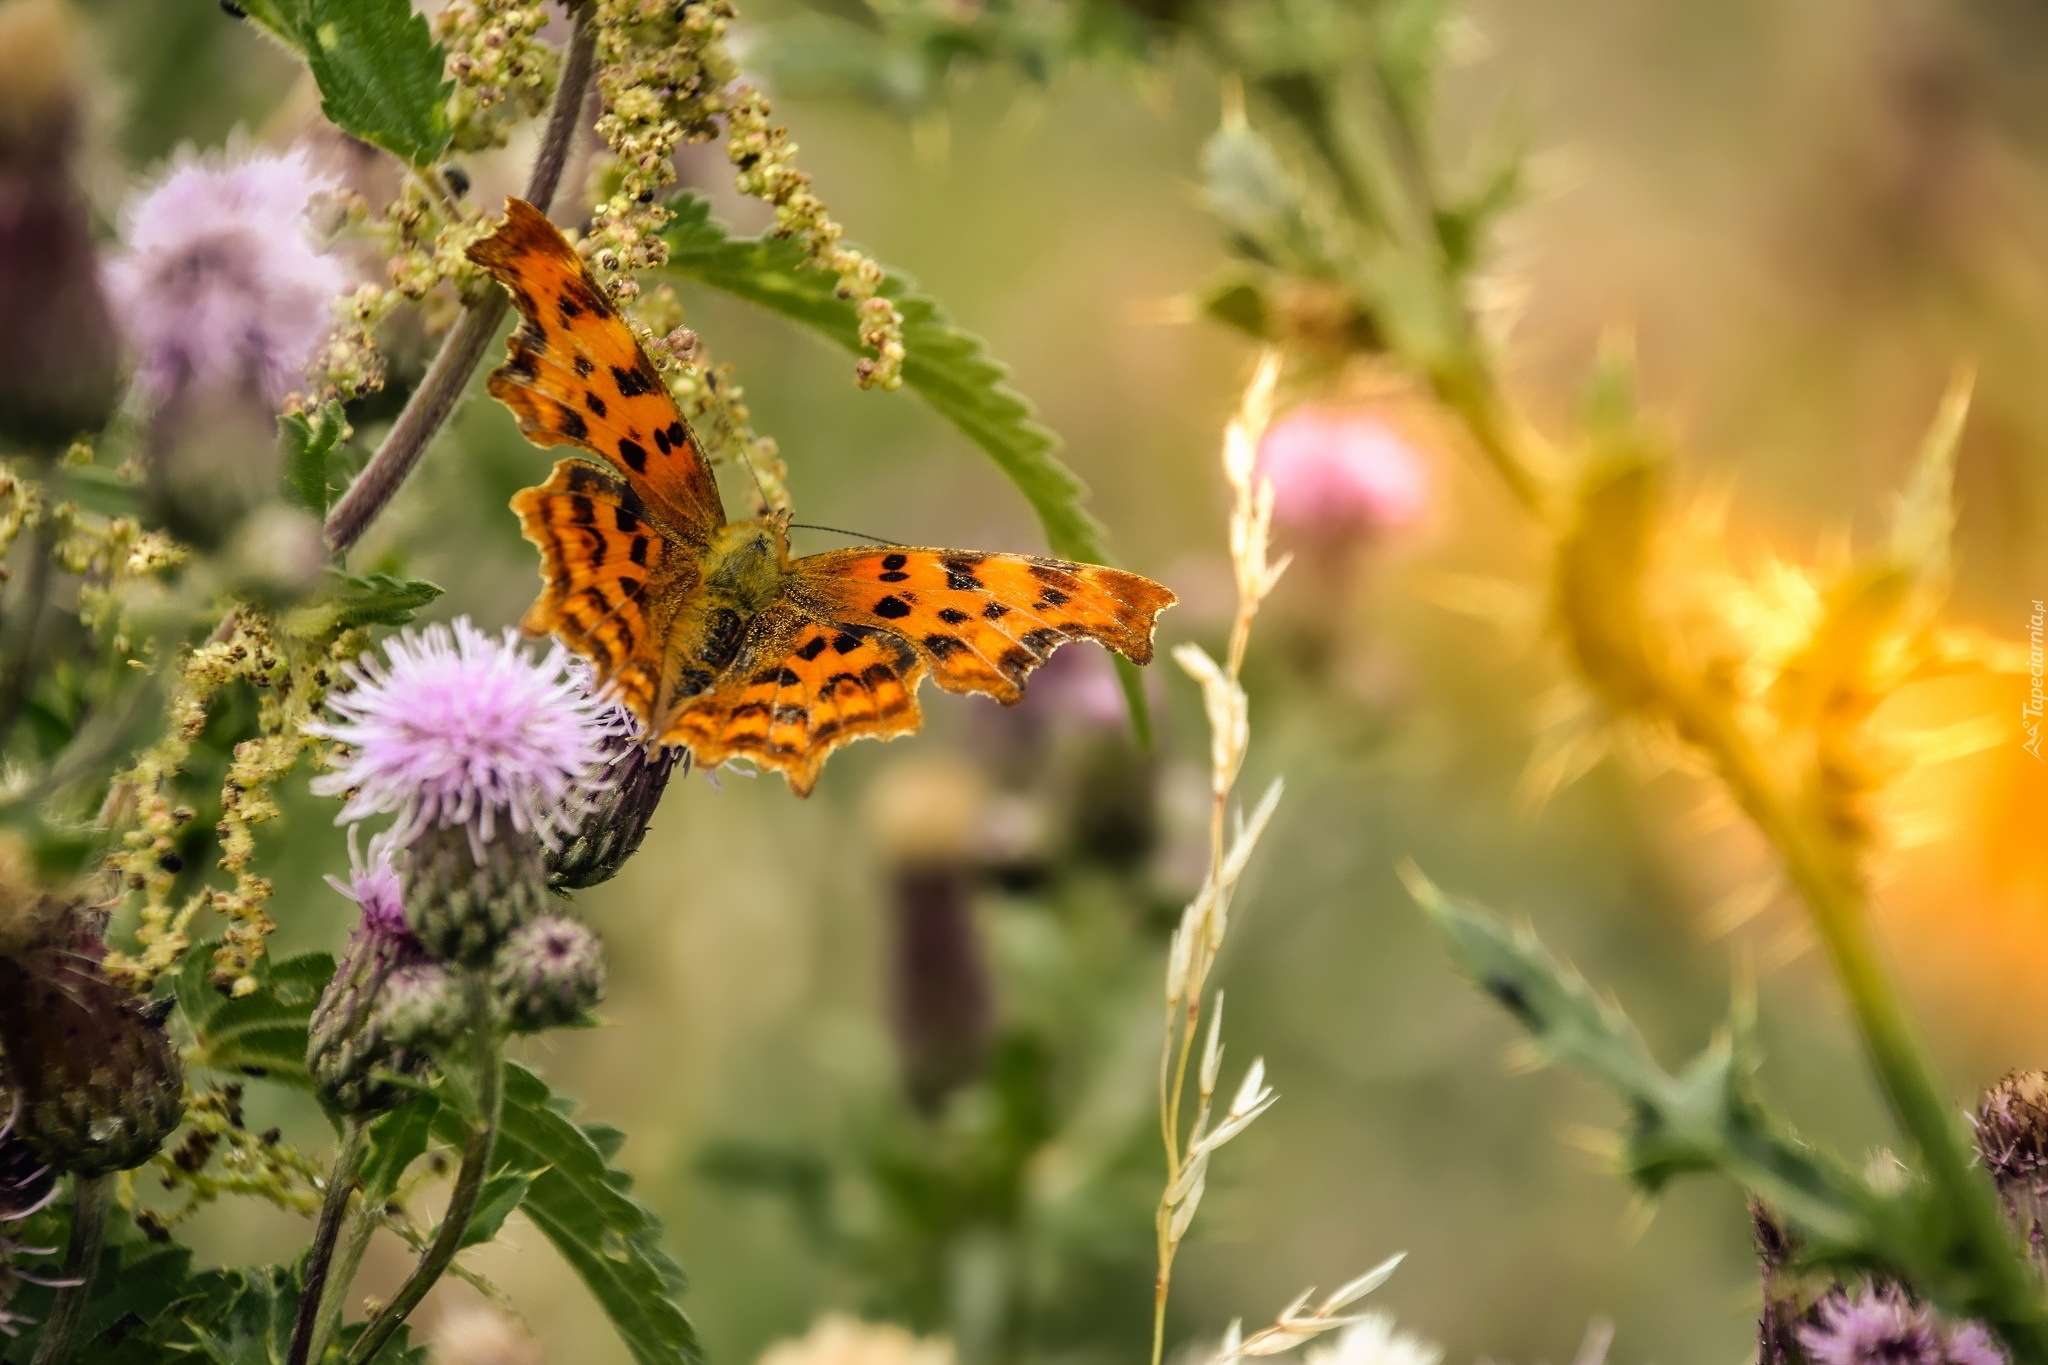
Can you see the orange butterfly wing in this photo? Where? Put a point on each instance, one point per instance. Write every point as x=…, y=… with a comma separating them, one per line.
x=800, y=688
x=610, y=578
x=576, y=375
x=981, y=621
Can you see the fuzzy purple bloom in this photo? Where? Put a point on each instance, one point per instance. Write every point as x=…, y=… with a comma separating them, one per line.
x=1881, y=1326
x=219, y=282
x=459, y=728
x=373, y=884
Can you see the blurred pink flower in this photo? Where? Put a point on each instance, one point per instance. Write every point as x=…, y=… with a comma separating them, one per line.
x=1342, y=467
x=219, y=281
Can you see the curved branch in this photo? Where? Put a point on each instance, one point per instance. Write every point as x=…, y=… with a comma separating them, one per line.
x=448, y=377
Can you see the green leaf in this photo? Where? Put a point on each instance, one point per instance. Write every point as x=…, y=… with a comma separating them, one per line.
x=138, y=1282
x=585, y=1207
x=945, y=365
x=309, y=443
x=352, y=600
x=1704, y=1118
x=397, y=1139
x=502, y=1193
x=378, y=68
x=259, y=1034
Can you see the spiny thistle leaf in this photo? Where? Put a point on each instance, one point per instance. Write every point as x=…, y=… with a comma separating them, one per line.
x=378, y=68
x=947, y=366
x=1699, y=1120
x=260, y=1034
x=138, y=1284
x=585, y=1206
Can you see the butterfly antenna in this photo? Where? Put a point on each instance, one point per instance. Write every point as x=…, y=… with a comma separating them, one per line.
x=839, y=531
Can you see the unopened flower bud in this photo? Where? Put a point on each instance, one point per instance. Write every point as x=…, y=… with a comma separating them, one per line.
x=616, y=810
x=355, y=1062
x=548, y=973
x=462, y=900
x=99, y=1079
x=421, y=1007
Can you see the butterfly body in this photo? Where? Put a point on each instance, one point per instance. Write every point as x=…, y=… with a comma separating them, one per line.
x=709, y=630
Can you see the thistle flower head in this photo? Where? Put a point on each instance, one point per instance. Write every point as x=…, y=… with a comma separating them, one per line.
x=1881, y=1326
x=218, y=281
x=373, y=884
x=1337, y=468
x=459, y=728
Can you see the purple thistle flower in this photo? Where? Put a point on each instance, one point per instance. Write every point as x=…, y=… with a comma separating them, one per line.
x=373, y=884
x=1881, y=1326
x=219, y=282
x=1343, y=468
x=457, y=728
x=1875, y=1327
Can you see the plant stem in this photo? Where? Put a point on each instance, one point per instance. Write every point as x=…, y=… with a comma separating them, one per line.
x=91, y=1197
x=347, y=1261
x=18, y=672
x=448, y=377
x=1980, y=1244
x=341, y=1183
x=489, y=1063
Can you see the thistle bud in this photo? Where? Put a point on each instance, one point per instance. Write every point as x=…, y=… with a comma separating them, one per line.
x=548, y=973
x=357, y=1066
x=2012, y=1139
x=462, y=901
x=421, y=1007
x=615, y=822
x=100, y=1083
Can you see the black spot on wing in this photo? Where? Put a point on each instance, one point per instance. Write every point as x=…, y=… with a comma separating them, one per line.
x=944, y=646
x=661, y=441
x=634, y=454
x=811, y=648
x=952, y=616
x=583, y=366
x=960, y=572
x=894, y=576
x=594, y=403
x=994, y=611
x=894, y=562
x=573, y=425
x=1041, y=642
x=1053, y=598
x=892, y=609
x=636, y=381
x=845, y=643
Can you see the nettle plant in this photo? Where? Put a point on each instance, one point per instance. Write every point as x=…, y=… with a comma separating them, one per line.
x=181, y=634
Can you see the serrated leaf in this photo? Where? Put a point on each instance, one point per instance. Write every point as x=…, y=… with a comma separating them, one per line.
x=259, y=1034
x=502, y=1193
x=397, y=1139
x=375, y=598
x=948, y=367
x=378, y=68
x=585, y=1207
x=138, y=1283
x=1702, y=1119
x=309, y=446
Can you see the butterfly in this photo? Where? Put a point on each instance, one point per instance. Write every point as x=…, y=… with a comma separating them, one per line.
x=706, y=629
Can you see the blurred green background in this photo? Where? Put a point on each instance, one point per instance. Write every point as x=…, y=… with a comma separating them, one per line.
x=1806, y=216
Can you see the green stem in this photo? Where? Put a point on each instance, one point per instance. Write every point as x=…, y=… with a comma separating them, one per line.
x=489, y=1064
x=91, y=1197
x=347, y=1261
x=2003, y=1291
x=341, y=1183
